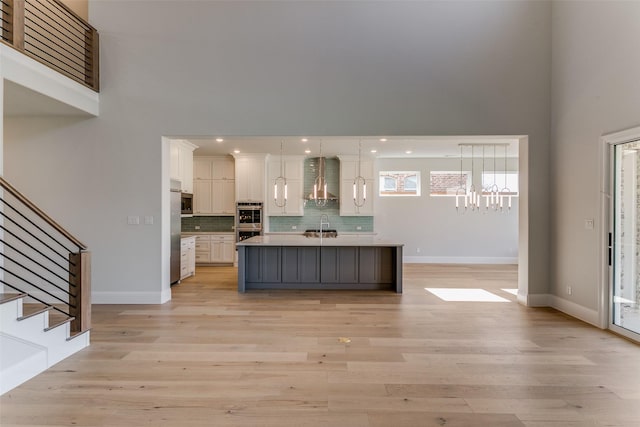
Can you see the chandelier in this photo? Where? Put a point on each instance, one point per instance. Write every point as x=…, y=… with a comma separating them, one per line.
x=467, y=198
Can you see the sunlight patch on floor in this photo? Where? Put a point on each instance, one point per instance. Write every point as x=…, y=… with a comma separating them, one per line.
x=513, y=292
x=464, y=294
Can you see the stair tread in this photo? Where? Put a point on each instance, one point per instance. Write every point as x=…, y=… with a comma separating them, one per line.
x=7, y=297
x=34, y=313
x=57, y=323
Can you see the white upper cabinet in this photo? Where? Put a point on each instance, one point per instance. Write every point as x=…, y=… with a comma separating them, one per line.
x=348, y=173
x=181, y=163
x=250, y=176
x=214, y=185
x=293, y=170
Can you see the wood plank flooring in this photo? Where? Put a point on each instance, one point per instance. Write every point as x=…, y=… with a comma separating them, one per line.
x=213, y=357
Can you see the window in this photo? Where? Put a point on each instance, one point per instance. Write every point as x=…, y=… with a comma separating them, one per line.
x=489, y=179
x=446, y=183
x=399, y=183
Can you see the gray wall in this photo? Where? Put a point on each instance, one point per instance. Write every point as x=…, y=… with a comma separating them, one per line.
x=595, y=91
x=432, y=225
x=278, y=68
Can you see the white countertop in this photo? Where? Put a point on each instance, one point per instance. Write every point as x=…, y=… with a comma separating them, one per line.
x=300, y=240
x=207, y=233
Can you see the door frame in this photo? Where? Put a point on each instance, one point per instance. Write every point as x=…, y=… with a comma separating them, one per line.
x=607, y=171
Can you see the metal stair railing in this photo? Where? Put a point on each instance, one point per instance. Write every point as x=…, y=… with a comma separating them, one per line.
x=40, y=258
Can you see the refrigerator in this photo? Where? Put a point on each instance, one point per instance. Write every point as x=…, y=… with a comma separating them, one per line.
x=176, y=228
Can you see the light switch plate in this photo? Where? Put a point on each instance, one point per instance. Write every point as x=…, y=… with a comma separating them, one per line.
x=133, y=220
x=148, y=220
x=588, y=223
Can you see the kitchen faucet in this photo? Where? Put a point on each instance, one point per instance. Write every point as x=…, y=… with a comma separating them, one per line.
x=324, y=220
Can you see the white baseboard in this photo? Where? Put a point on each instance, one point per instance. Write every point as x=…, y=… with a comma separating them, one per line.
x=536, y=300
x=458, y=260
x=575, y=310
x=131, y=297
x=567, y=307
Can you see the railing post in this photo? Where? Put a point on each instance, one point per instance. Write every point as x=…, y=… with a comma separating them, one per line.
x=92, y=59
x=17, y=23
x=80, y=299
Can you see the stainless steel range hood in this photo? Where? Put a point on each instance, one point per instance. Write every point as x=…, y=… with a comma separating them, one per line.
x=319, y=191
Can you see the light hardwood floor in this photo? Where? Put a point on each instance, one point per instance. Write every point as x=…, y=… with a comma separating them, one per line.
x=213, y=357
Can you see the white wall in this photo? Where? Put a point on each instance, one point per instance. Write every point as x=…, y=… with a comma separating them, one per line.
x=278, y=68
x=432, y=225
x=596, y=90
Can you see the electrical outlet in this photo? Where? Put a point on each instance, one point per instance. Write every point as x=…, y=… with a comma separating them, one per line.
x=133, y=220
x=148, y=220
x=589, y=224
x=569, y=290
x=417, y=250
x=197, y=227
x=358, y=227
x=294, y=227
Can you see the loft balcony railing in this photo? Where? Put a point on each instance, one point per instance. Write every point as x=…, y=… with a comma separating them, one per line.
x=51, y=33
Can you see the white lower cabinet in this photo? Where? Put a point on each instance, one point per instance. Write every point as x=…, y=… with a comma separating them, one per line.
x=187, y=257
x=215, y=248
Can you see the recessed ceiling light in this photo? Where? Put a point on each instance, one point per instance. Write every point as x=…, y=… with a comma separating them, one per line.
x=304, y=140
x=383, y=139
x=408, y=151
x=219, y=139
x=307, y=151
x=236, y=151
x=374, y=151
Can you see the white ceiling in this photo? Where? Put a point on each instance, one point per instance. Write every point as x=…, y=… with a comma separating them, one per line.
x=393, y=147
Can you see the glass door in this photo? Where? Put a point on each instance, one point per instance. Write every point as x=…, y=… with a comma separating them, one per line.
x=625, y=241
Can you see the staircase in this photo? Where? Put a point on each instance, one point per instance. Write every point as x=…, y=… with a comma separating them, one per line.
x=45, y=308
x=29, y=343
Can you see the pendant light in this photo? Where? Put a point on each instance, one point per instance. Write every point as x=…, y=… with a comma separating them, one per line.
x=491, y=192
x=280, y=183
x=473, y=198
x=359, y=184
x=506, y=191
x=461, y=192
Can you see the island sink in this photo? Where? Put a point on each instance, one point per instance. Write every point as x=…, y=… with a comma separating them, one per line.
x=316, y=233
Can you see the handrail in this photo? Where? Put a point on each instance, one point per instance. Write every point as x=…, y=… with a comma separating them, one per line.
x=18, y=195
x=52, y=34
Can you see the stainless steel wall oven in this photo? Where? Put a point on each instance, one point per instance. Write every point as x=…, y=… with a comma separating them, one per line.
x=248, y=220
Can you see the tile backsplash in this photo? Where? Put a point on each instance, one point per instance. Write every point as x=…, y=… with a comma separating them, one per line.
x=311, y=218
x=208, y=223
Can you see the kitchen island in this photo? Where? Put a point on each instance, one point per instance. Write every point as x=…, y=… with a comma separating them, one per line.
x=298, y=262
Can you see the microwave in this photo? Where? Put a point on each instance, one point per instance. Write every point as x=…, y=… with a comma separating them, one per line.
x=186, y=206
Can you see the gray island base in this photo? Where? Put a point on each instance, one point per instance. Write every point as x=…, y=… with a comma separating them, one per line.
x=297, y=262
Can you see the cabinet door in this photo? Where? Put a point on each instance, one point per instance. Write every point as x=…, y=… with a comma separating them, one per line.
x=216, y=251
x=222, y=168
x=186, y=160
x=228, y=251
x=201, y=168
x=223, y=196
x=263, y=264
x=250, y=176
x=202, y=197
x=376, y=265
x=229, y=197
x=300, y=265
x=175, y=162
x=339, y=265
